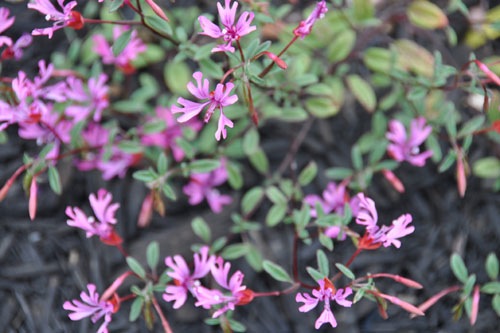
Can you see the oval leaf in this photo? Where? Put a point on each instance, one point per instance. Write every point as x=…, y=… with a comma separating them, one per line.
x=362, y=91
x=276, y=271
x=426, y=15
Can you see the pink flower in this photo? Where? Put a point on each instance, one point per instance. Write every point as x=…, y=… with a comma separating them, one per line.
x=104, y=211
x=66, y=17
x=366, y=214
x=230, y=32
x=202, y=186
x=92, y=99
x=325, y=293
x=404, y=148
x=333, y=200
x=16, y=50
x=168, y=137
x=238, y=293
x=5, y=23
x=304, y=28
x=123, y=60
x=92, y=307
x=213, y=99
x=184, y=280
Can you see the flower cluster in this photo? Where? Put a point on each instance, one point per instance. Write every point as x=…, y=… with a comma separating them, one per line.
x=366, y=214
x=304, y=28
x=93, y=307
x=202, y=186
x=333, y=199
x=186, y=283
x=325, y=293
x=406, y=147
x=102, y=225
x=232, y=31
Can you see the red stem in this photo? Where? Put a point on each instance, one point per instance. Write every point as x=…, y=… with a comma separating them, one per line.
x=164, y=321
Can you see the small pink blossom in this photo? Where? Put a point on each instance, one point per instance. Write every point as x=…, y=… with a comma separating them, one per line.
x=333, y=199
x=326, y=293
x=91, y=306
x=184, y=281
x=123, y=60
x=92, y=99
x=168, y=137
x=102, y=225
x=63, y=18
x=304, y=28
x=213, y=298
x=366, y=213
x=230, y=32
x=407, y=148
x=202, y=186
x=16, y=50
x=219, y=98
x=5, y=23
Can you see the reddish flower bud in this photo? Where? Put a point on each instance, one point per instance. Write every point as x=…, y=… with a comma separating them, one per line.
x=277, y=60
x=394, y=180
x=77, y=22
x=146, y=212
x=246, y=296
x=33, y=198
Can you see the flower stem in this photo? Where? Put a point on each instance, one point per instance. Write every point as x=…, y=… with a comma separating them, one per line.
x=164, y=321
x=348, y=263
x=270, y=66
x=96, y=21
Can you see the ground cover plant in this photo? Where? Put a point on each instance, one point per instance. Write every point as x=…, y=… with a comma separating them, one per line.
x=249, y=166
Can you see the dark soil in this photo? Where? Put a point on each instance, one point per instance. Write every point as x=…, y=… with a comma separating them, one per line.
x=45, y=262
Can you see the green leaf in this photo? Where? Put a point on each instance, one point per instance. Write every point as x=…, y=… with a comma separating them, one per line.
x=54, y=180
x=218, y=244
x=131, y=147
x=211, y=68
x=491, y=288
x=326, y=241
x=379, y=59
x=251, y=199
x=234, y=251
x=121, y=42
x=158, y=24
x=363, y=9
x=162, y=164
x=346, y=271
x=315, y=274
x=322, y=107
x=251, y=142
x=146, y=176
x=275, y=195
x=203, y=166
x=357, y=158
x=235, y=178
x=301, y=217
x=487, y=167
x=153, y=255
x=136, y=308
x=495, y=304
x=136, y=267
x=201, y=229
x=152, y=127
x=363, y=92
x=113, y=7
x=254, y=258
x=426, y=15
x=177, y=75
x=323, y=263
x=276, y=214
x=458, y=267
x=236, y=326
x=338, y=173
x=492, y=266
x=259, y=161
x=342, y=45
x=471, y=126
x=276, y=271
x=169, y=192
x=308, y=174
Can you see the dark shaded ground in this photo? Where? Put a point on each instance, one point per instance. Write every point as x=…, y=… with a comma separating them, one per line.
x=43, y=263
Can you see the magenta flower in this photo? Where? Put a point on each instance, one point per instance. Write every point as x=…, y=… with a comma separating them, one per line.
x=230, y=32
x=184, y=280
x=365, y=212
x=104, y=211
x=168, y=137
x=92, y=307
x=123, y=60
x=16, y=50
x=92, y=99
x=219, y=98
x=5, y=23
x=213, y=298
x=333, y=200
x=304, y=28
x=406, y=148
x=202, y=186
x=399, y=228
x=65, y=18
x=326, y=293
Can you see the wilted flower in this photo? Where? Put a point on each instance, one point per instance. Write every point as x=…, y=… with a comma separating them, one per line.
x=219, y=98
x=407, y=148
x=92, y=307
x=230, y=32
x=304, y=28
x=325, y=293
x=65, y=18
